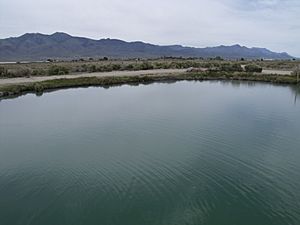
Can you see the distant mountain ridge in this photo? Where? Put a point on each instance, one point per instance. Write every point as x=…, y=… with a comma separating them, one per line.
x=36, y=46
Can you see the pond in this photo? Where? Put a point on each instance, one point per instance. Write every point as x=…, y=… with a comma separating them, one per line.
x=211, y=153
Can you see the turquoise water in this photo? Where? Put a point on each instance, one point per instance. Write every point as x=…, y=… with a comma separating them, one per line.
x=211, y=153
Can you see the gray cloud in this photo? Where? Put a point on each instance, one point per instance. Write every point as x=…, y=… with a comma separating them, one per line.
x=262, y=23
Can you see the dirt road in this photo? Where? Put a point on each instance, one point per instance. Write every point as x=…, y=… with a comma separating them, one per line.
x=20, y=80
x=279, y=72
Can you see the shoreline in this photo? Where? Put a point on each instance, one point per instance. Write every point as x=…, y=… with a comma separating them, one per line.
x=17, y=89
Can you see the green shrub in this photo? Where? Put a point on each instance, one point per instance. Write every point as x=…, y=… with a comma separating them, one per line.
x=81, y=68
x=116, y=67
x=165, y=66
x=145, y=66
x=92, y=69
x=38, y=72
x=129, y=67
x=253, y=68
x=3, y=72
x=58, y=70
x=105, y=68
x=176, y=65
x=231, y=67
x=38, y=88
x=23, y=72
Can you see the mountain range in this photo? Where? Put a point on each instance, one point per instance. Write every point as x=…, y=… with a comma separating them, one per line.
x=36, y=46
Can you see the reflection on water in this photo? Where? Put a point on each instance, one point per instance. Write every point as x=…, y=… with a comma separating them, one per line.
x=296, y=90
x=211, y=153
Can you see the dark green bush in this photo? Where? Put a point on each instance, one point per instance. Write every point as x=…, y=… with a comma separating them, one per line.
x=38, y=72
x=105, y=68
x=3, y=72
x=253, y=68
x=58, y=70
x=92, y=69
x=116, y=67
x=38, y=88
x=231, y=67
x=176, y=65
x=129, y=67
x=145, y=66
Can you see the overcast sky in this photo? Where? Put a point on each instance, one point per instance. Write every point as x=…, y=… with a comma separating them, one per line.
x=274, y=24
